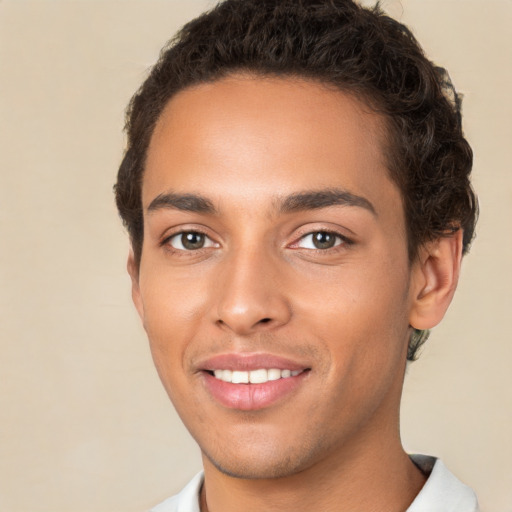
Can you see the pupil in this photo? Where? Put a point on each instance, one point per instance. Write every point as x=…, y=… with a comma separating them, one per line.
x=323, y=240
x=192, y=240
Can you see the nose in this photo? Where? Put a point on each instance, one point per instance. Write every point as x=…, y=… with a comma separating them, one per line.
x=251, y=294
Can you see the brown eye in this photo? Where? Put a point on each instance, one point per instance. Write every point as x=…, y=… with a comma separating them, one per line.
x=320, y=240
x=190, y=241
x=323, y=240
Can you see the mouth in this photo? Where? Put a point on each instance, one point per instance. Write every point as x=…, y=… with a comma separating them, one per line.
x=249, y=382
x=259, y=376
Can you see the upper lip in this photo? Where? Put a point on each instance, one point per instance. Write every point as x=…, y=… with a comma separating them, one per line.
x=249, y=361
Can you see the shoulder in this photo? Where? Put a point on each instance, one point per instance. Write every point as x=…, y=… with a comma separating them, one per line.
x=442, y=491
x=186, y=501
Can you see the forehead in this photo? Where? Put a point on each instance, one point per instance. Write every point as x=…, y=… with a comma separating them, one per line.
x=243, y=137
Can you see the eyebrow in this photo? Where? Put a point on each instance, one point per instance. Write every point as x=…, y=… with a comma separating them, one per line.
x=300, y=201
x=184, y=202
x=316, y=199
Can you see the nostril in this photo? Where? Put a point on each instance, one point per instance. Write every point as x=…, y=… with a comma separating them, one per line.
x=264, y=320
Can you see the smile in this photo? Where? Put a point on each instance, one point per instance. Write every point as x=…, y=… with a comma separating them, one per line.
x=259, y=376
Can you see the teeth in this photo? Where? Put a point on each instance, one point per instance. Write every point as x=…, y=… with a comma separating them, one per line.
x=259, y=376
x=274, y=374
x=240, y=377
x=227, y=375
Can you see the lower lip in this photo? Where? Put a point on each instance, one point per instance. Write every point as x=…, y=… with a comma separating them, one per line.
x=251, y=397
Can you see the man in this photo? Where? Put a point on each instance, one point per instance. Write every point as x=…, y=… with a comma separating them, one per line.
x=296, y=190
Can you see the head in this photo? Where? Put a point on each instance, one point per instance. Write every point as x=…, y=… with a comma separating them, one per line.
x=296, y=192
x=359, y=51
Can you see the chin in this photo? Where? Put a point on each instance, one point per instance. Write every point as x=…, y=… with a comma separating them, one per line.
x=264, y=461
x=256, y=470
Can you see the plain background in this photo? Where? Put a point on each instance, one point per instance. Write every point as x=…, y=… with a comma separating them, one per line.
x=85, y=424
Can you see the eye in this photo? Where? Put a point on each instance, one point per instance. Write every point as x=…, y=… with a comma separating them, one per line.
x=320, y=240
x=190, y=241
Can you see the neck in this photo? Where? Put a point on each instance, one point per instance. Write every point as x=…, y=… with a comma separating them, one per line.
x=372, y=476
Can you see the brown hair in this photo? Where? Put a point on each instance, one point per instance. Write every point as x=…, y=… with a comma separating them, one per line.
x=358, y=50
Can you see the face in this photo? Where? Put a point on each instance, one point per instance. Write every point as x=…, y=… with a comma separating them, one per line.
x=274, y=282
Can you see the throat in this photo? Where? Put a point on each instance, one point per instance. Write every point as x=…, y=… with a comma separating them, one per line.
x=386, y=487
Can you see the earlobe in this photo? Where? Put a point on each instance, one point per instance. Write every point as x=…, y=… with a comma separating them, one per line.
x=434, y=280
x=133, y=271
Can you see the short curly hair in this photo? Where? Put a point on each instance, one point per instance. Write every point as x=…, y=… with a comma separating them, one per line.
x=358, y=50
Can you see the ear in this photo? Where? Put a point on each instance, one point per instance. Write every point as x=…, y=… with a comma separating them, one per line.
x=133, y=271
x=434, y=280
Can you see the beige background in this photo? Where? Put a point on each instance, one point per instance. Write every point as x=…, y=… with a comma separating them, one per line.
x=85, y=425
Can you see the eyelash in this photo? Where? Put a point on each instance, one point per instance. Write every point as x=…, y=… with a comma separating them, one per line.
x=166, y=242
x=341, y=242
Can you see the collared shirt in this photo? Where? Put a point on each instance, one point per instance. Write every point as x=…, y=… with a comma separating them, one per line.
x=442, y=492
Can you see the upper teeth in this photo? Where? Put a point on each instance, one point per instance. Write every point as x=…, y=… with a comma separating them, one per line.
x=255, y=376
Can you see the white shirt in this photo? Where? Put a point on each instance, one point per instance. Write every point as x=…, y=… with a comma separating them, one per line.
x=442, y=492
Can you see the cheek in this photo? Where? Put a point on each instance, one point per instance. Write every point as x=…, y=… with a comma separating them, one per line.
x=171, y=299
x=365, y=336
x=360, y=312
x=173, y=311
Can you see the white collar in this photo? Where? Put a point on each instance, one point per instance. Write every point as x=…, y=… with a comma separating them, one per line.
x=442, y=492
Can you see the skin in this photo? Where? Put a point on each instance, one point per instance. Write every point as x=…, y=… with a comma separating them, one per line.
x=259, y=285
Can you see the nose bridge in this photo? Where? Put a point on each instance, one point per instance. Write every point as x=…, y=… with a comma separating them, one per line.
x=249, y=295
